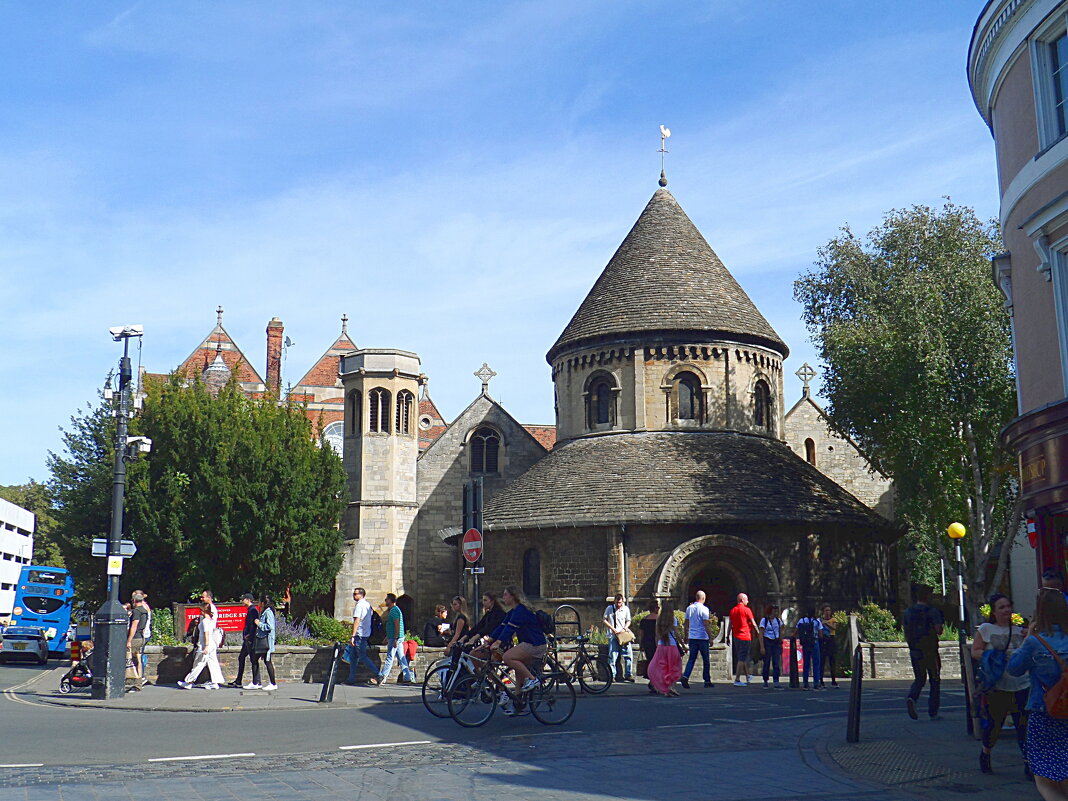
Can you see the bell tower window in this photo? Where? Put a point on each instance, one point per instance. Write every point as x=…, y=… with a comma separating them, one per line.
x=601, y=404
x=405, y=401
x=378, y=406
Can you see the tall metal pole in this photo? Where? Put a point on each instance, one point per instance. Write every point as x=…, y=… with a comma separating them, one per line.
x=111, y=622
x=961, y=640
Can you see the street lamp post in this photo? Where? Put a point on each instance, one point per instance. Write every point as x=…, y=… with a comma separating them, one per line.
x=111, y=621
x=956, y=533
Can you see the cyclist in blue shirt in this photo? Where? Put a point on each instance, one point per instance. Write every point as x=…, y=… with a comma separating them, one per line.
x=522, y=625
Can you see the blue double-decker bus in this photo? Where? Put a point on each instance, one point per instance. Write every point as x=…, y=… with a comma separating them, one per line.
x=43, y=600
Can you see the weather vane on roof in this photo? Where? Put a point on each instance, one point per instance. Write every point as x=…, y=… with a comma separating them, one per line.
x=665, y=134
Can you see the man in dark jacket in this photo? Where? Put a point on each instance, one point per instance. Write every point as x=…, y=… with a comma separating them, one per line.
x=923, y=625
x=248, y=636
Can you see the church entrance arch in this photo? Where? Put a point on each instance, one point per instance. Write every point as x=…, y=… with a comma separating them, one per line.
x=722, y=566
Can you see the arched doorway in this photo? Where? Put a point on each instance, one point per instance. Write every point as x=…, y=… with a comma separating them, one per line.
x=722, y=566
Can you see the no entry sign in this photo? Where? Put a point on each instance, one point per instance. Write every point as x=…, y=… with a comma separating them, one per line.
x=472, y=544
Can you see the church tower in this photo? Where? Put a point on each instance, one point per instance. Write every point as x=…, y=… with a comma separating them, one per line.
x=381, y=445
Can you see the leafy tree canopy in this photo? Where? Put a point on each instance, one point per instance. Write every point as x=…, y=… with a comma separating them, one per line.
x=915, y=342
x=35, y=498
x=236, y=495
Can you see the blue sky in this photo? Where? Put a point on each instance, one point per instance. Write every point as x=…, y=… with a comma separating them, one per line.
x=452, y=176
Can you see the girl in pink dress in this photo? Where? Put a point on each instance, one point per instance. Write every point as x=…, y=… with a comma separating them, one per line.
x=666, y=667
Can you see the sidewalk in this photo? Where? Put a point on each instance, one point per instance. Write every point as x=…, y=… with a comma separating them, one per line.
x=929, y=759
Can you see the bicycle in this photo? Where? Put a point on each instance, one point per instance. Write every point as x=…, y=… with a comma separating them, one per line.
x=593, y=673
x=474, y=698
x=440, y=678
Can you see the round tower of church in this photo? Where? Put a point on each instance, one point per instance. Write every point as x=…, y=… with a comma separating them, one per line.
x=381, y=445
x=667, y=340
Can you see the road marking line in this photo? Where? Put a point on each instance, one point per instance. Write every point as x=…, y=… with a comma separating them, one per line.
x=684, y=725
x=381, y=745
x=540, y=734
x=200, y=756
x=24, y=765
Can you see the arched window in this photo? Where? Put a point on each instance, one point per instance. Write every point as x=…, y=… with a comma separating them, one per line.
x=810, y=451
x=532, y=573
x=485, y=447
x=404, y=412
x=763, y=414
x=334, y=434
x=600, y=404
x=688, y=390
x=378, y=406
x=355, y=407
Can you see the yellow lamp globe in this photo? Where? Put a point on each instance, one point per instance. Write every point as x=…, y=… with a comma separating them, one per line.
x=956, y=531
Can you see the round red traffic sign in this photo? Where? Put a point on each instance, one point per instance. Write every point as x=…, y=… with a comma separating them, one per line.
x=472, y=544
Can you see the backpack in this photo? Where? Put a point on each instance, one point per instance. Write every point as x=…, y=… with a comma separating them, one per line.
x=545, y=620
x=147, y=633
x=1056, y=697
x=806, y=629
x=917, y=624
x=376, y=624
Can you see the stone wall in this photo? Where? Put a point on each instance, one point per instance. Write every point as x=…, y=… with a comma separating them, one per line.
x=642, y=378
x=837, y=458
x=433, y=568
x=890, y=660
x=168, y=664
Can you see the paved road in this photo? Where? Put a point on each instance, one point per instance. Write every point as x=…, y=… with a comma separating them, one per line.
x=709, y=744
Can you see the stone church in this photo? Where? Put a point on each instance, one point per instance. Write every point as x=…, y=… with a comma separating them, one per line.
x=674, y=466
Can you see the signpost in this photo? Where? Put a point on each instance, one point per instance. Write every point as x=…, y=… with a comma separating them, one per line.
x=472, y=545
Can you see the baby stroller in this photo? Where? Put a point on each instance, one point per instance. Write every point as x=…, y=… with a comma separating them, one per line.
x=80, y=676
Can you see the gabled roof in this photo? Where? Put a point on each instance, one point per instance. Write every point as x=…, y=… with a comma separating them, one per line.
x=678, y=478
x=429, y=410
x=665, y=280
x=218, y=342
x=472, y=411
x=324, y=373
x=807, y=399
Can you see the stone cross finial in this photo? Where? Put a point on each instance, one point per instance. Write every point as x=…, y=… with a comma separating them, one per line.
x=219, y=312
x=344, y=324
x=484, y=374
x=806, y=374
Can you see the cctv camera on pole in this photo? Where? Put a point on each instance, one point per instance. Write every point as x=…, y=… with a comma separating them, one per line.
x=111, y=622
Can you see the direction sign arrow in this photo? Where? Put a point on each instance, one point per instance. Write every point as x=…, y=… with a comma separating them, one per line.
x=127, y=548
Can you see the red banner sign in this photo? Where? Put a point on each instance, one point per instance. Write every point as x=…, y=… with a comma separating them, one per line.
x=231, y=616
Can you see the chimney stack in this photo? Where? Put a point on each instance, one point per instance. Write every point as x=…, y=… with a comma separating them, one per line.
x=274, y=356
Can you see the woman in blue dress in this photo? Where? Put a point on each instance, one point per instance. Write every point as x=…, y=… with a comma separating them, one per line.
x=1047, y=738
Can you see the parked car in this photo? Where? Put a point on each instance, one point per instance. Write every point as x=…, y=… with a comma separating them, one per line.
x=24, y=642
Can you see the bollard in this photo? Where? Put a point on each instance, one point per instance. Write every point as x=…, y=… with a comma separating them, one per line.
x=795, y=681
x=855, y=687
x=327, y=695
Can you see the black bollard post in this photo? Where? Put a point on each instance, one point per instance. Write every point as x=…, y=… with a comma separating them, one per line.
x=327, y=695
x=795, y=680
x=855, y=687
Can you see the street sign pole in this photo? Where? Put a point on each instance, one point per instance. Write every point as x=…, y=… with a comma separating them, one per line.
x=110, y=625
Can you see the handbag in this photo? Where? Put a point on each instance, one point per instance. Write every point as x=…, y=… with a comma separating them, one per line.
x=625, y=637
x=1056, y=697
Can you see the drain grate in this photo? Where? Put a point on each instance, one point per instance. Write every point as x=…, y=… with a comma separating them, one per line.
x=886, y=762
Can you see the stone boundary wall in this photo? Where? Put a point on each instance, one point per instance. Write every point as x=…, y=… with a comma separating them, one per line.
x=168, y=664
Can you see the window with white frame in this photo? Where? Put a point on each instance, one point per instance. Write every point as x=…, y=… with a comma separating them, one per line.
x=1059, y=278
x=1049, y=59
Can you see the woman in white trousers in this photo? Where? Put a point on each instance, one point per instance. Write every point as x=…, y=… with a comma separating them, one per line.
x=207, y=654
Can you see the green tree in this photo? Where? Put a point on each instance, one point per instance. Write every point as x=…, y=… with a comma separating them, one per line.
x=916, y=345
x=35, y=498
x=236, y=495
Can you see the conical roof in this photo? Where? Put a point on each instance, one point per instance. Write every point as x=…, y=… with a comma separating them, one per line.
x=666, y=280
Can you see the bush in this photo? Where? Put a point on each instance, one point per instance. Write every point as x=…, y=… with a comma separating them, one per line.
x=327, y=628
x=293, y=632
x=163, y=628
x=878, y=624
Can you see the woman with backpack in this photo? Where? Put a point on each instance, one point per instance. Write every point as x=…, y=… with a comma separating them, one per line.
x=263, y=647
x=1043, y=655
x=1000, y=694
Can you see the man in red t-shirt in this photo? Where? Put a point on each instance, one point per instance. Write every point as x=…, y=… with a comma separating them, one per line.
x=742, y=627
